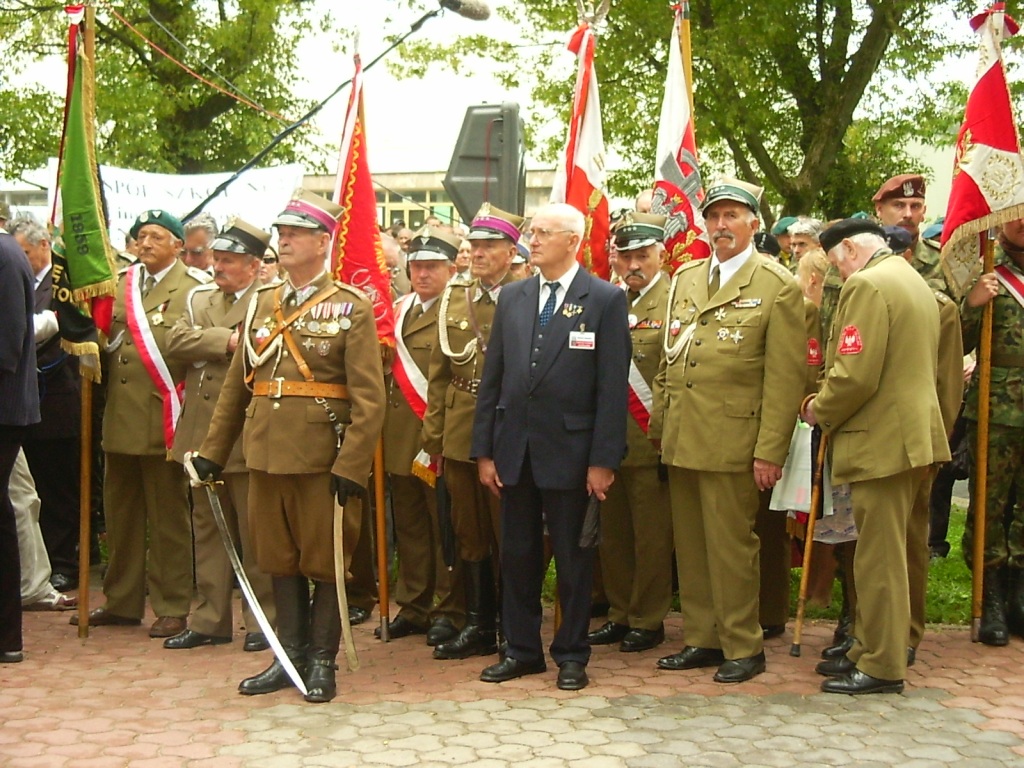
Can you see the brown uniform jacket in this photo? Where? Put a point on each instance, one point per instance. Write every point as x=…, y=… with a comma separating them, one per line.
x=735, y=395
x=878, y=402
x=647, y=324
x=448, y=424
x=402, y=427
x=294, y=435
x=200, y=338
x=133, y=421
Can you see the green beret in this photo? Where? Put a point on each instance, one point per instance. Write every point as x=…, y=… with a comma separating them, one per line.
x=782, y=225
x=162, y=219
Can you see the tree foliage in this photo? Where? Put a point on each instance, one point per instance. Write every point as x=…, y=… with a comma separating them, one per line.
x=151, y=114
x=814, y=99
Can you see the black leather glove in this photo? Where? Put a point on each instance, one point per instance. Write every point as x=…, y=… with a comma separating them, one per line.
x=342, y=487
x=206, y=469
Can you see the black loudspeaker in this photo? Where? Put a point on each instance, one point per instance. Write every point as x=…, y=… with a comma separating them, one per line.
x=489, y=162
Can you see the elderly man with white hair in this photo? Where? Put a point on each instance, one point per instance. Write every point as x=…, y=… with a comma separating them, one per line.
x=879, y=407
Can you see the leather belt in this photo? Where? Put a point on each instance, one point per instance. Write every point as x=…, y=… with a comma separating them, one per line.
x=278, y=388
x=1008, y=361
x=466, y=385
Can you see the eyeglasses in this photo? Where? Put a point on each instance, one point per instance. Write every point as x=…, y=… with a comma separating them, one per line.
x=544, y=234
x=270, y=259
x=195, y=251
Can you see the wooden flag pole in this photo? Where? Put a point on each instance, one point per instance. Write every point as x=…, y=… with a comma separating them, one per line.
x=687, y=52
x=979, y=497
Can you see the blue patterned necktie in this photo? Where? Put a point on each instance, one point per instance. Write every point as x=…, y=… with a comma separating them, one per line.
x=549, y=305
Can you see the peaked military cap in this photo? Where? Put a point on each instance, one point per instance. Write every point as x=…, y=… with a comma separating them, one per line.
x=309, y=211
x=433, y=244
x=734, y=189
x=522, y=253
x=493, y=223
x=638, y=230
x=240, y=236
x=160, y=218
x=904, y=185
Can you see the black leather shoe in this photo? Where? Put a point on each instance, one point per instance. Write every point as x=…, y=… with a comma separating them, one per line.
x=608, y=633
x=835, y=667
x=254, y=642
x=692, y=657
x=572, y=676
x=357, y=615
x=839, y=650
x=190, y=639
x=441, y=631
x=510, y=669
x=320, y=683
x=273, y=678
x=11, y=657
x=772, y=630
x=400, y=627
x=740, y=670
x=642, y=640
x=856, y=682
x=62, y=582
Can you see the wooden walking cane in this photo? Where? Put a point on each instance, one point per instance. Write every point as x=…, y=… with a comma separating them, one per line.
x=383, y=591
x=805, y=573
x=979, y=497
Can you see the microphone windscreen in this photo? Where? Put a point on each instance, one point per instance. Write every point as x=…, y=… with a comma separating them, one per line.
x=471, y=9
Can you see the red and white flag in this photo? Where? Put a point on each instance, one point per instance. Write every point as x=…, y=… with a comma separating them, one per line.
x=988, y=172
x=357, y=255
x=678, y=189
x=580, y=178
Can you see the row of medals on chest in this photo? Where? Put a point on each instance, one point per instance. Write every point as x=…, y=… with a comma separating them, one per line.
x=722, y=334
x=328, y=318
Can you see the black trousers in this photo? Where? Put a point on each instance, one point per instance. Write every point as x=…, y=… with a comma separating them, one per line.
x=525, y=511
x=10, y=559
x=56, y=470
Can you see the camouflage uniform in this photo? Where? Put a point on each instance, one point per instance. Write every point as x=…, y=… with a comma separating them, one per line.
x=927, y=263
x=1003, y=544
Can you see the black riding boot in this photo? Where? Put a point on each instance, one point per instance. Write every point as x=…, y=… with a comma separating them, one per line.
x=325, y=638
x=291, y=594
x=478, y=637
x=993, y=629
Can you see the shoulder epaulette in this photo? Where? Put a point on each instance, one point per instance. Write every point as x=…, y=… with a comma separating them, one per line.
x=197, y=274
x=934, y=244
x=352, y=289
x=124, y=270
x=268, y=286
x=462, y=283
x=777, y=269
x=943, y=298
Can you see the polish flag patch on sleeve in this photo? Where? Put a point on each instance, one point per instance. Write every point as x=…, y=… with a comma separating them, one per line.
x=850, y=342
x=813, y=352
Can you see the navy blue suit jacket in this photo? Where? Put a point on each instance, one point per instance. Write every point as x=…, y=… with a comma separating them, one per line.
x=19, y=389
x=572, y=413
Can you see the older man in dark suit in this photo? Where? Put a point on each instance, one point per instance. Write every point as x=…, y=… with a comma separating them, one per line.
x=550, y=431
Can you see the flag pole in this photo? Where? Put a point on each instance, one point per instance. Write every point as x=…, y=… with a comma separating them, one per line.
x=979, y=497
x=686, y=49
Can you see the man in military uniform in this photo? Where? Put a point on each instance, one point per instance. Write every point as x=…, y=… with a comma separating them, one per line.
x=465, y=314
x=1004, y=544
x=306, y=383
x=881, y=361
x=725, y=405
x=636, y=519
x=145, y=493
x=900, y=202
x=205, y=337
x=422, y=574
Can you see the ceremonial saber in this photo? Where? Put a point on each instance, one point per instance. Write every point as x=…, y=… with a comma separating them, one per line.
x=243, y=579
x=339, y=577
x=805, y=572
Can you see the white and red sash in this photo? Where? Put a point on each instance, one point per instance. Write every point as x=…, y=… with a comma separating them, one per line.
x=408, y=376
x=149, y=352
x=641, y=399
x=1011, y=281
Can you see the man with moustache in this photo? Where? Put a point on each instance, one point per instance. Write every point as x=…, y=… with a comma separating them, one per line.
x=636, y=518
x=422, y=574
x=465, y=315
x=199, y=234
x=205, y=337
x=725, y=400
x=900, y=202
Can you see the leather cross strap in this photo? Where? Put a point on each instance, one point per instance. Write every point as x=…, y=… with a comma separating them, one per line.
x=285, y=326
x=277, y=388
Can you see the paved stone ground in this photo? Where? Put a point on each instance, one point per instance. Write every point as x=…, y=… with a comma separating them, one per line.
x=119, y=699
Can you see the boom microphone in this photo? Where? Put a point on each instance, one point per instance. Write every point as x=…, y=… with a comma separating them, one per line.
x=471, y=9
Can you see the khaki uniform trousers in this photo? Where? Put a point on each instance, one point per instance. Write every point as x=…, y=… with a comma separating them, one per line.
x=140, y=493
x=422, y=574
x=292, y=519
x=717, y=554
x=882, y=511
x=362, y=587
x=776, y=558
x=636, y=548
x=214, y=575
x=476, y=512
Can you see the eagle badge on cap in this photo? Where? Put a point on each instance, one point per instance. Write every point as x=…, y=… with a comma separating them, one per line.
x=230, y=222
x=485, y=210
x=908, y=189
x=145, y=216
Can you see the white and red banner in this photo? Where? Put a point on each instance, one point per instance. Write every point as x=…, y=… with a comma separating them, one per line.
x=580, y=179
x=678, y=188
x=988, y=172
x=408, y=376
x=640, y=398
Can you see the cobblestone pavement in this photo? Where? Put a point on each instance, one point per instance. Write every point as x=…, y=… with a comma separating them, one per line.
x=119, y=699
